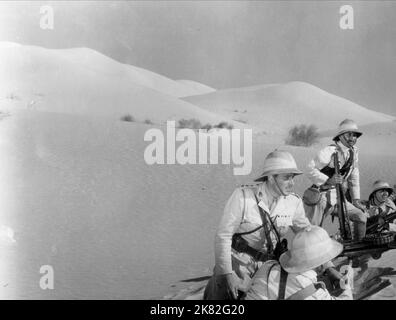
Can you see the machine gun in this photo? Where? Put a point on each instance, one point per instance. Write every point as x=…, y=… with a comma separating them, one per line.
x=378, y=222
x=373, y=244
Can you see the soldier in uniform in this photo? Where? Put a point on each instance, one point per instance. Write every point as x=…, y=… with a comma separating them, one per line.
x=254, y=223
x=295, y=276
x=322, y=174
x=380, y=205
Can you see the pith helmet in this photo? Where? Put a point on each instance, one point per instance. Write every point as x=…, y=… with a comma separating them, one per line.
x=310, y=248
x=278, y=162
x=379, y=185
x=347, y=125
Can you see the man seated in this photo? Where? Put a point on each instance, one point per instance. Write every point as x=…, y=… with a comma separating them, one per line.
x=295, y=278
x=380, y=206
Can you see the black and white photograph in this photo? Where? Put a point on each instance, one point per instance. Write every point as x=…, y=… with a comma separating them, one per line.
x=197, y=150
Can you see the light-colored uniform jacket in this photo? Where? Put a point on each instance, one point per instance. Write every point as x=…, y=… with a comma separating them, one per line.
x=241, y=214
x=325, y=158
x=266, y=287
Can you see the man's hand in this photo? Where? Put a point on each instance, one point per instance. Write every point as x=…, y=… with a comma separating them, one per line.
x=231, y=282
x=334, y=276
x=358, y=204
x=381, y=221
x=347, y=279
x=335, y=179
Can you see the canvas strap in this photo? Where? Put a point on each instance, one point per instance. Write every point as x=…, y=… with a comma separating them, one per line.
x=346, y=168
x=299, y=295
x=282, y=284
x=264, y=215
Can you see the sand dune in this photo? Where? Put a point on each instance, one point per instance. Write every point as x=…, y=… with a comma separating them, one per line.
x=199, y=88
x=277, y=107
x=95, y=61
x=83, y=81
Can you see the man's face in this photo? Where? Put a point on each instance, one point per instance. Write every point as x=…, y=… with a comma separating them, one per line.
x=382, y=195
x=349, y=139
x=284, y=183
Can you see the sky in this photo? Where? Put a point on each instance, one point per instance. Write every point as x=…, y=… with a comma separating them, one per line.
x=228, y=44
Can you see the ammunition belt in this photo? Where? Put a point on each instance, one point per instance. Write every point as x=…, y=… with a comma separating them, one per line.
x=379, y=239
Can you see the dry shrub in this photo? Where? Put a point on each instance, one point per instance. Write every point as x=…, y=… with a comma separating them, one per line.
x=128, y=118
x=302, y=135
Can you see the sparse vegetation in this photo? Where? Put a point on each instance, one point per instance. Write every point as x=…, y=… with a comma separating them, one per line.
x=302, y=135
x=224, y=125
x=196, y=124
x=148, y=121
x=190, y=123
x=12, y=96
x=3, y=115
x=207, y=127
x=128, y=118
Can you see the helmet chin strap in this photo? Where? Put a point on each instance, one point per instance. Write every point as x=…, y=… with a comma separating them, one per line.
x=346, y=143
x=279, y=189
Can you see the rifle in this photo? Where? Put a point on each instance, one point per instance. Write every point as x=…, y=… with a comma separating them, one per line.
x=375, y=224
x=342, y=216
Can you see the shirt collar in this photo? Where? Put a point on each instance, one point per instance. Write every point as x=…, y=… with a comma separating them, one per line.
x=343, y=148
x=265, y=195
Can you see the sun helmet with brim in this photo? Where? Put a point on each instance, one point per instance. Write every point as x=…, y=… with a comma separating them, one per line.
x=309, y=249
x=381, y=185
x=278, y=162
x=345, y=126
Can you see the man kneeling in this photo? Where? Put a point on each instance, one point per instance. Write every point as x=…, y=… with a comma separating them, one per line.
x=296, y=276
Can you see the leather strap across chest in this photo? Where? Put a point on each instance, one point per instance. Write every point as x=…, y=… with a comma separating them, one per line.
x=346, y=168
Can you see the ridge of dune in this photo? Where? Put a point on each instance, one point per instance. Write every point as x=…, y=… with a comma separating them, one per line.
x=200, y=88
x=280, y=106
x=96, y=61
x=59, y=81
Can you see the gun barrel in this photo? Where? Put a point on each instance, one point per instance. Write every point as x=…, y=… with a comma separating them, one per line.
x=340, y=200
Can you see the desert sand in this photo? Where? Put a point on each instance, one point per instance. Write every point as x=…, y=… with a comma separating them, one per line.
x=76, y=193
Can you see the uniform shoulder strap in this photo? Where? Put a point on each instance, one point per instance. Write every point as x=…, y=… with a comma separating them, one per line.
x=282, y=284
x=264, y=214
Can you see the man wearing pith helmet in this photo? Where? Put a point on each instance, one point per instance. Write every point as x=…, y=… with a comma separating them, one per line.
x=255, y=220
x=322, y=174
x=380, y=204
x=295, y=276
